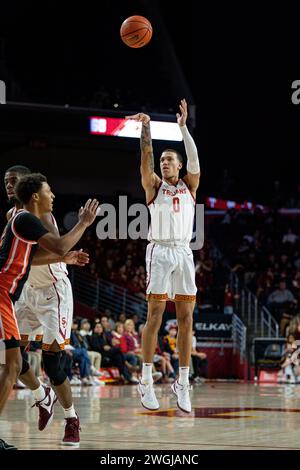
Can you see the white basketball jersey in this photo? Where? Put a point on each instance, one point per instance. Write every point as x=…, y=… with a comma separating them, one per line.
x=42, y=276
x=172, y=214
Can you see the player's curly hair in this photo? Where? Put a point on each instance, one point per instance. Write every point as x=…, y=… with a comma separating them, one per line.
x=28, y=185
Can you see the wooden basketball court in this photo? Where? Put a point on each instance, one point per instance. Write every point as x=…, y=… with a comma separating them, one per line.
x=225, y=416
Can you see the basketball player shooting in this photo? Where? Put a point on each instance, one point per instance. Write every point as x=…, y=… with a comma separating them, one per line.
x=169, y=259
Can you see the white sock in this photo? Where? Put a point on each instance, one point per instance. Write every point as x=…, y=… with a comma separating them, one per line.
x=183, y=375
x=147, y=373
x=70, y=412
x=39, y=393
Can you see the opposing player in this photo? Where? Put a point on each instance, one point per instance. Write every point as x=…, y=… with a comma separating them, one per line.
x=169, y=259
x=45, y=311
x=23, y=234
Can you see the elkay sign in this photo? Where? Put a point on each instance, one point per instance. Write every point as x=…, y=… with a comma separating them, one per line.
x=214, y=326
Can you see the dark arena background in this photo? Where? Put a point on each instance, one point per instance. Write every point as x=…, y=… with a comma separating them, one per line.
x=68, y=81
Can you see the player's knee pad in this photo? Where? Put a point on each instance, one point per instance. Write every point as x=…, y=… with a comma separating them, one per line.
x=25, y=363
x=54, y=367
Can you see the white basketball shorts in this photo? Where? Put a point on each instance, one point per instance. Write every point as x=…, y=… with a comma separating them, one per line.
x=46, y=313
x=170, y=273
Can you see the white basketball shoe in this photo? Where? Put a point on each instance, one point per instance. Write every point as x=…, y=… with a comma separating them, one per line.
x=148, y=398
x=183, y=396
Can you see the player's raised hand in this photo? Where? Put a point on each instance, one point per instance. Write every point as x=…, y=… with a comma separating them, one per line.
x=87, y=214
x=139, y=117
x=76, y=257
x=181, y=118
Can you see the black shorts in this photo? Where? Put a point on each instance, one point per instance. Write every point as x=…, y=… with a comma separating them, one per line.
x=12, y=343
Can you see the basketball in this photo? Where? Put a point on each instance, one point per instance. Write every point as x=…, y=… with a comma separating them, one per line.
x=136, y=31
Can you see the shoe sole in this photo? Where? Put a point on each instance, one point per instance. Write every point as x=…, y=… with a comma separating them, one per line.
x=70, y=444
x=178, y=406
x=149, y=409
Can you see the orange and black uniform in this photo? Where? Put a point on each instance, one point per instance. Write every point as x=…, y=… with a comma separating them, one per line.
x=18, y=245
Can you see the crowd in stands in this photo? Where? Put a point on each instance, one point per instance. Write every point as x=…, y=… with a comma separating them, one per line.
x=264, y=251
x=107, y=342
x=122, y=262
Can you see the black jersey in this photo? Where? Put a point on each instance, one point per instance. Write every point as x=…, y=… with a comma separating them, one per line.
x=17, y=249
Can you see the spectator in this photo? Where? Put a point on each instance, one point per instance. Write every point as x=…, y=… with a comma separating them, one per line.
x=294, y=327
x=290, y=237
x=106, y=325
x=130, y=342
x=80, y=355
x=170, y=347
x=122, y=317
x=95, y=357
x=131, y=360
x=162, y=359
x=104, y=343
x=288, y=373
x=199, y=360
x=228, y=300
x=109, y=316
x=264, y=283
x=68, y=366
x=281, y=301
x=85, y=327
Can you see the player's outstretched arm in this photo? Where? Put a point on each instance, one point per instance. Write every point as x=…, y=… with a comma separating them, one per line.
x=192, y=177
x=61, y=245
x=150, y=180
x=43, y=257
x=76, y=257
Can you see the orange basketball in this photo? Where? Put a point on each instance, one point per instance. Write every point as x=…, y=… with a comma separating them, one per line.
x=136, y=31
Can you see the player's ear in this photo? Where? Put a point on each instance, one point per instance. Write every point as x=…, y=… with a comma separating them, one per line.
x=180, y=165
x=35, y=197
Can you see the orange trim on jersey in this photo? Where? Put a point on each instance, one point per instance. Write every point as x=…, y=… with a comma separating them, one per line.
x=46, y=347
x=156, y=193
x=11, y=255
x=185, y=298
x=3, y=234
x=157, y=296
x=26, y=338
x=22, y=273
x=9, y=326
x=19, y=255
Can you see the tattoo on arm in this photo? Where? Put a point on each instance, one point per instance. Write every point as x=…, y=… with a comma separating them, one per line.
x=146, y=145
